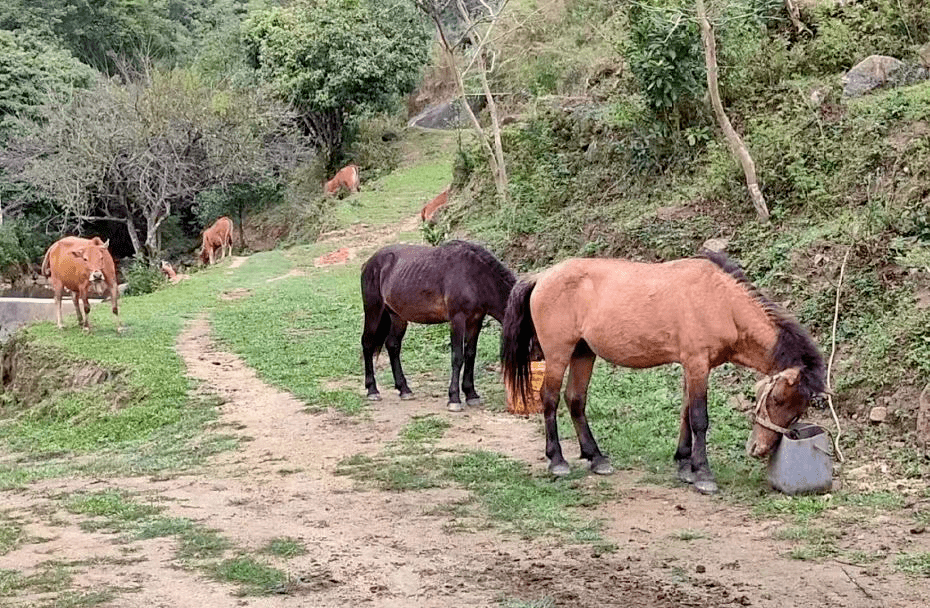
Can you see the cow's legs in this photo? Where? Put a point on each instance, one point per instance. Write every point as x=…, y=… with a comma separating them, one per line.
x=58, y=306
x=76, y=298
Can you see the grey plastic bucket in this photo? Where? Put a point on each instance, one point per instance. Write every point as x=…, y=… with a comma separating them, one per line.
x=801, y=462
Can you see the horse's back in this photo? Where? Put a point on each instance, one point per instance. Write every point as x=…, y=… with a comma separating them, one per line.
x=632, y=313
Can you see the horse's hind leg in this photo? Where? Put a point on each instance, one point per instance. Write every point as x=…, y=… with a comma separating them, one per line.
x=576, y=396
x=683, y=453
x=549, y=393
x=377, y=326
x=394, y=338
x=457, y=330
x=472, y=329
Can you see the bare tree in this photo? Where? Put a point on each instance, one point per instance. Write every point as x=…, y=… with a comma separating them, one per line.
x=478, y=22
x=136, y=153
x=737, y=147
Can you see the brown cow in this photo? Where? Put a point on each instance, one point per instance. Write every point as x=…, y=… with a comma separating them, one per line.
x=430, y=209
x=346, y=177
x=218, y=236
x=81, y=265
x=173, y=276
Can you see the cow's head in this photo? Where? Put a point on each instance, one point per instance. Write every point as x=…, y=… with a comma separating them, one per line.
x=94, y=258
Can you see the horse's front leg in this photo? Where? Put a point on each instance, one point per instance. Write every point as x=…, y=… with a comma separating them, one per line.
x=683, y=453
x=472, y=330
x=392, y=343
x=697, y=416
x=576, y=396
x=457, y=343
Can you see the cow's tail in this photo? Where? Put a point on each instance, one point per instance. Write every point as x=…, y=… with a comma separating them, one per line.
x=46, y=264
x=517, y=338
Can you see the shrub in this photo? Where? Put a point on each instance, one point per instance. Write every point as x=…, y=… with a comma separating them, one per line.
x=143, y=277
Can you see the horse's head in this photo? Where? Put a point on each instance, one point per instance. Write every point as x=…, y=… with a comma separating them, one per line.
x=780, y=400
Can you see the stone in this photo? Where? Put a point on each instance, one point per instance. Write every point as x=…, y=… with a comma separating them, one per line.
x=878, y=414
x=878, y=71
x=717, y=245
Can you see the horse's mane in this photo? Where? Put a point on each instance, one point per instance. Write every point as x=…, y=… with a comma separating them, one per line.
x=504, y=274
x=794, y=347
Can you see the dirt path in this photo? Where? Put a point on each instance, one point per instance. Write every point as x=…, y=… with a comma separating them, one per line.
x=675, y=547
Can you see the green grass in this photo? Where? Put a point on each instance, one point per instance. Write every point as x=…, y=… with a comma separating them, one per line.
x=200, y=543
x=285, y=547
x=143, y=416
x=11, y=534
x=508, y=492
x=111, y=510
x=252, y=576
x=916, y=564
x=427, y=428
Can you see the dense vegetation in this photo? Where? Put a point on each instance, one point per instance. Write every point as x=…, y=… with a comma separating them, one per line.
x=142, y=120
x=617, y=153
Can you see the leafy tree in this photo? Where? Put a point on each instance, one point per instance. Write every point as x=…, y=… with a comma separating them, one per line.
x=335, y=59
x=32, y=69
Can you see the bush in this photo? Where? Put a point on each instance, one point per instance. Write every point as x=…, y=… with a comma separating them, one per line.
x=143, y=277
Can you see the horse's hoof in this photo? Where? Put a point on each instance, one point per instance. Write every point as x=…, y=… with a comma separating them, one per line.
x=706, y=487
x=455, y=407
x=684, y=471
x=602, y=467
x=560, y=470
x=374, y=397
x=473, y=402
x=406, y=396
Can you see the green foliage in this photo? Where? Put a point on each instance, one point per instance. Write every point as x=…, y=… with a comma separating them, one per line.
x=333, y=59
x=143, y=277
x=666, y=56
x=285, y=547
x=848, y=33
x=32, y=73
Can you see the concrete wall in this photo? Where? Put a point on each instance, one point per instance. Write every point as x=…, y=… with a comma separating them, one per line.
x=16, y=312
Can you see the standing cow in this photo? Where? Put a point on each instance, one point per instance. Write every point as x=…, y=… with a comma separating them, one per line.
x=218, y=236
x=346, y=177
x=429, y=210
x=81, y=265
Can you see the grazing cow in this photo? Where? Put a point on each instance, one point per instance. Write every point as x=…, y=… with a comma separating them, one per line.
x=81, y=265
x=346, y=177
x=430, y=209
x=218, y=236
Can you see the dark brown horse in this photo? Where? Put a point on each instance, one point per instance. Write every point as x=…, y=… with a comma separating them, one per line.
x=699, y=312
x=457, y=282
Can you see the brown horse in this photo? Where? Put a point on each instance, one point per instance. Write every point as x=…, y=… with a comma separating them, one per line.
x=457, y=282
x=699, y=312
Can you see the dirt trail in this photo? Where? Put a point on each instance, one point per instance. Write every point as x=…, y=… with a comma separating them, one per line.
x=395, y=549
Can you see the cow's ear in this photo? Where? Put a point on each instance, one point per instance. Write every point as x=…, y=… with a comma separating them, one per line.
x=106, y=244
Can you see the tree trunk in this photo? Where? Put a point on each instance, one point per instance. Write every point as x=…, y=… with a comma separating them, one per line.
x=737, y=148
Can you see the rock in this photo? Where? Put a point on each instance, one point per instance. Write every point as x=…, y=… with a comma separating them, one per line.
x=878, y=414
x=446, y=115
x=877, y=71
x=924, y=54
x=700, y=569
x=717, y=245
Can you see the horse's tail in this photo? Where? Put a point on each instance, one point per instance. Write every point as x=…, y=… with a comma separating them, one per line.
x=516, y=339
x=373, y=303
